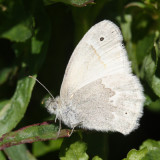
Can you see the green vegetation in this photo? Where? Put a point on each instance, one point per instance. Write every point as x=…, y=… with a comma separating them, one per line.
x=37, y=38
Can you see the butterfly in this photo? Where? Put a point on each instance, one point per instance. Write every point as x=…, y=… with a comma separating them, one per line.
x=99, y=91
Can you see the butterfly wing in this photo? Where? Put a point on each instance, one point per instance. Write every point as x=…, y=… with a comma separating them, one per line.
x=99, y=53
x=111, y=103
x=99, y=64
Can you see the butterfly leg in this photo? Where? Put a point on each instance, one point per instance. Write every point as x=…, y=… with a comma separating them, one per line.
x=55, y=118
x=77, y=124
x=59, y=130
x=71, y=131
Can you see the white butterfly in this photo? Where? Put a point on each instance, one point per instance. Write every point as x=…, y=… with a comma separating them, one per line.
x=98, y=91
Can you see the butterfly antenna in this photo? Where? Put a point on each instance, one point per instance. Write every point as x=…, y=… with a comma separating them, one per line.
x=42, y=85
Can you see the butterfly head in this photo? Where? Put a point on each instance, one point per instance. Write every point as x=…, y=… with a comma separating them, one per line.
x=52, y=104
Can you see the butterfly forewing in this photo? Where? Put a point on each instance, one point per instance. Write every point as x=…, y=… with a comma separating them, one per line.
x=99, y=53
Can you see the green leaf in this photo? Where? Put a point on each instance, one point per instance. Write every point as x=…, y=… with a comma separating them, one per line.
x=153, y=149
x=76, y=150
x=17, y=33
x=125, y=24
x=148, y=100
x=150, y=69
x=148, y=6
x=150, y=144
x=17, y=22
x=19, y=152
x=144, y=47
x=156, y=85
x=96, y=158
x=136, y=4
x=41, y=148
x=152, y=155
x=79, y=3
x=37, y=132
x=2, y=157
x=156, y=77
x=136, y=155
x=13, y=111
x=4, y=74
x=149, y=150
x=154, y=106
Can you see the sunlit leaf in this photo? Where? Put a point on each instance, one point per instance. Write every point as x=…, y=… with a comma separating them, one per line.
x=134, y=154
x=149, y=150
x=76, y=150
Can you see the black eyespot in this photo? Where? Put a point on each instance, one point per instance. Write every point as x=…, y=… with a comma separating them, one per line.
x=102, y=38
x=125, y=112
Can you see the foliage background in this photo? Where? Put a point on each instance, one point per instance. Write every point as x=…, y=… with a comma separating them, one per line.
x=37, y=38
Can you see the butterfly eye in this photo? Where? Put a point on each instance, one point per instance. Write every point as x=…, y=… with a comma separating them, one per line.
x=102, y=38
